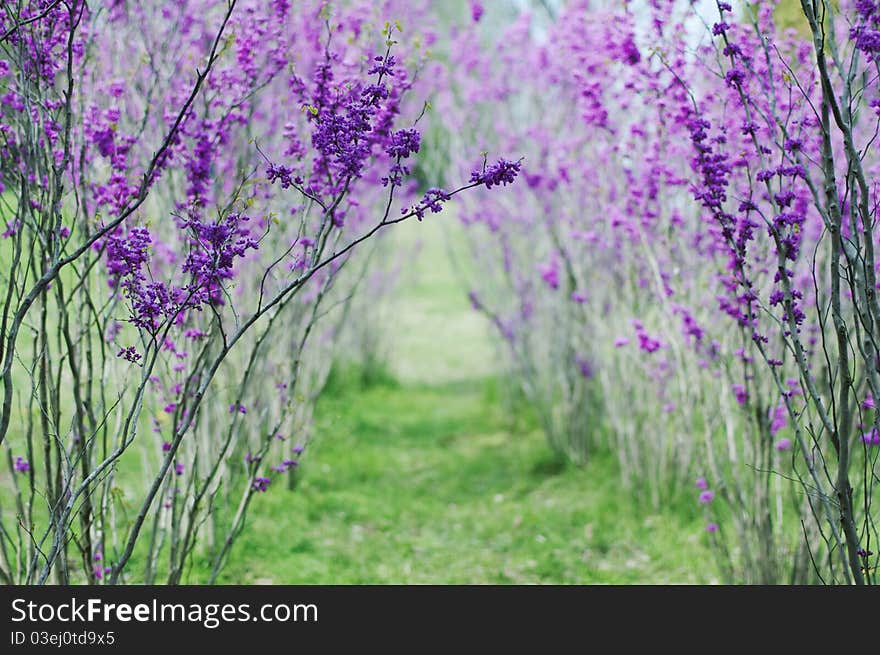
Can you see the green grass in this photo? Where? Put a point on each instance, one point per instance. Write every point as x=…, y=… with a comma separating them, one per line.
x=437, y=337
x=423, y=478
x=433, y=484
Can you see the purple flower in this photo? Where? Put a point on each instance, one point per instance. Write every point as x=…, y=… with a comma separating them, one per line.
x=214, y=247
x=701, y=483
x=500, y=173
x=690, y=327
x=382, y=66
x=126, y=255
x=261, y=484
x=707, y=496
x=166, y=446
x=868, y=403
x=241, y=409
x=620, y=342
x=871, y=438
x=290, y=463
x=783, y=444
x=550, y=274
x=711, y=527
x=21, y=464
x=739, y=390
x=584, y=366
x=12, y=228
x=129, y=354
x=403, y=143
x=169, y=408
x=433, y=200
x=866, y=39
x=476, y=11
x=298, y=449
x=342, y=134
x=252, y=459
x=198, y=168
x=648, y=343
x=779, y=419
x=735, y=77
x=630, y=51
x=282, y=174
x=178, y=468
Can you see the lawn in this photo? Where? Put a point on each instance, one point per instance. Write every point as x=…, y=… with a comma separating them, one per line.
x=432, y=484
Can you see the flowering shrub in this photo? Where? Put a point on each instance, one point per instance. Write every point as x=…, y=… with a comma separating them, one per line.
x=684, y=272
x=186, y=186
x=686, y=275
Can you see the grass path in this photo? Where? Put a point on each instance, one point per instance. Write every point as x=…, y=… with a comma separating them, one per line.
x=429, y=481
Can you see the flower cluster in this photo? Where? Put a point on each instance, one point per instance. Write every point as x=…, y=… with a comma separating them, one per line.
x=214, y=247
x=501, y=173
x=261, y=484
x=866, y=30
